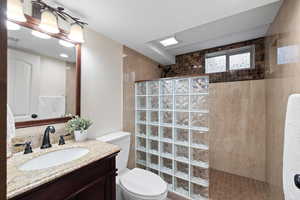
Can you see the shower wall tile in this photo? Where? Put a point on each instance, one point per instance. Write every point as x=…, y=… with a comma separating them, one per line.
x=166, y=117
x=141, y=116
x=199, y=173
x=153, y=102
x=167, y=102
x=153, y=146
x=199, y=120
x=135, y=67
x=282, y=80
x=141, y=88
x=166, y=87
x=182, y=135
x=199, y=102
x=141, y=129
x=181, y=102
x=154, y=116
x=237, y=142
x=199, y=85
x=153, y=131
x=169, y=148
x=166, y=133
x=198, y=192
x=181, y=86
x=182, y=119
x=199, y=137
x=168, y=179
x=153, y=88
x=141, y=102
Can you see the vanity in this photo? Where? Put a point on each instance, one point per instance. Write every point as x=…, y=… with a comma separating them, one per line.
x=90, y=175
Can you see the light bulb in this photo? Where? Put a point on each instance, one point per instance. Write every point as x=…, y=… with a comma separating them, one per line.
x=15, y=11
x=49, y=22
x=76, y=33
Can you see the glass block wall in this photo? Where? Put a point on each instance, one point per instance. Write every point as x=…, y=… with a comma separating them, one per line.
x=172, y=133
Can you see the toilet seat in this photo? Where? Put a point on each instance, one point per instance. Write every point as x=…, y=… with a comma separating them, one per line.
x=143, y=184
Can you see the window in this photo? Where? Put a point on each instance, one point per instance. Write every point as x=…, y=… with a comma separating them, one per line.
x=215, y=64
x=233, y=59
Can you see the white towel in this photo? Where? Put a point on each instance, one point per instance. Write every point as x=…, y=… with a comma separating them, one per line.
x=11, y=129
x=51, y=107
x=291, y=160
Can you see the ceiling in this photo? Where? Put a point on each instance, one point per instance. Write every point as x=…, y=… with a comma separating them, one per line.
x=23, y=40
x=197, y=24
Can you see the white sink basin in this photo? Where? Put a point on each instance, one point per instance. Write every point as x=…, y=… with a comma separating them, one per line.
x=53, y=159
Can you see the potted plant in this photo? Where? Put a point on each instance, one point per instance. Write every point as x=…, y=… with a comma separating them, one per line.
x=78, y=126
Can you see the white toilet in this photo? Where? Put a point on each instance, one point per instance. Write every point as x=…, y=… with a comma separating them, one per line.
x=135, y=184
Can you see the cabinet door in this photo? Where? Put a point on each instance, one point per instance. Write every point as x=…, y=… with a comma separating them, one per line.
x=101, y=189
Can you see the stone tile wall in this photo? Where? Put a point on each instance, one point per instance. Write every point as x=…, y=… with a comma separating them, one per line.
x=194, y=63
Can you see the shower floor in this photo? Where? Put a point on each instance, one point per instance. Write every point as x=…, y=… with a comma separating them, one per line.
x=225, y=186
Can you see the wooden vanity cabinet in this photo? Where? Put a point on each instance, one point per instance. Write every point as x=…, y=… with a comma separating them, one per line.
x=96, y=181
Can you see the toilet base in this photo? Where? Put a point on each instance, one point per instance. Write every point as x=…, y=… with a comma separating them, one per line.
x=127, y=196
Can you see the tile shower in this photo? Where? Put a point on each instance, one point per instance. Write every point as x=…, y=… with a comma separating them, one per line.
x=172, y=133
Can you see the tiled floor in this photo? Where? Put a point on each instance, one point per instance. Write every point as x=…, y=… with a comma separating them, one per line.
x=225, y=186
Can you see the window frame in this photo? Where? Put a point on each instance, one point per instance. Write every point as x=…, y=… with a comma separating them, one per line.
x=231, y=52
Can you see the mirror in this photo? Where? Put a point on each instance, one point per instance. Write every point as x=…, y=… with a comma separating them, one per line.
x=42, y=76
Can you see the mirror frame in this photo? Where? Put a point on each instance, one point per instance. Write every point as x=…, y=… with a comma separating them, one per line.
x=33, y=24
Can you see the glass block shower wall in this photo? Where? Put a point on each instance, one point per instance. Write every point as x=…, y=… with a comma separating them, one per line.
x=172, y=133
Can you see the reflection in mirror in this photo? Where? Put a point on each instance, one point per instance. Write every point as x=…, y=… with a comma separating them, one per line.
x=41, y=76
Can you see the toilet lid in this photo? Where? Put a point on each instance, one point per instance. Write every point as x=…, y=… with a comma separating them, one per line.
x=143, y=183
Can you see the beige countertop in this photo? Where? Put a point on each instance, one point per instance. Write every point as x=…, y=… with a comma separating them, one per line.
x=19, y=181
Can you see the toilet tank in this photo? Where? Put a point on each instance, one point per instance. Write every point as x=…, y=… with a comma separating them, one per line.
x=121, y=139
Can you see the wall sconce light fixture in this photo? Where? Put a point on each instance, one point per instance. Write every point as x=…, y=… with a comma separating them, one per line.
x=76, y=33
x=15, y=11
x=49, y=22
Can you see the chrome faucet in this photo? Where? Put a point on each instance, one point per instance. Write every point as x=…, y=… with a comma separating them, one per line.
x=46, y=138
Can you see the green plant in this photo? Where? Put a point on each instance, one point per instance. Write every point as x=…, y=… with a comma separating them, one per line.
x=78, y=124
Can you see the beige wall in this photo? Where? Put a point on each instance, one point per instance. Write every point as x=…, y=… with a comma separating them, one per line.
x=237, y=128
x=101, y=89
x=282, y=80
x=135, y=67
